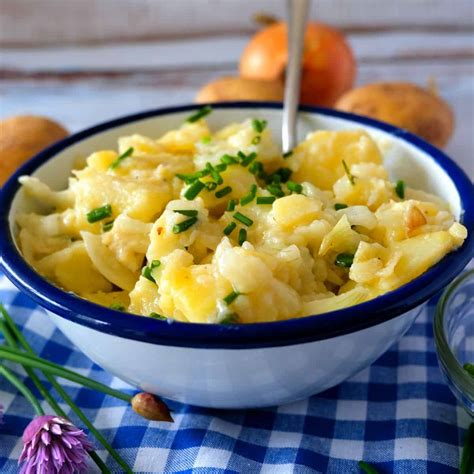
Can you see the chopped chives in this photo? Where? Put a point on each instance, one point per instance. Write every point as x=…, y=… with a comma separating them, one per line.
x=201, y=173
x=276, y=190
x=187, y=178
x=287, y=154
x=231, y=297
x=106, y=226
x=206, y=140
x=339, y=205
x=194, y=189
x=294, y=187
x=223, y=192
x=350, y=177
x=214, y=173
x=244, y=219
x=256, y=140
x=221, y=167
x=241, y=154
x=157, y=316
x=229, y=228
x=250, y=196
x=99, y=213
x=121, y=157
x=186, y=212
x=469, y=368
x=367, y=468
x=210, y=185
x=266, y=199
x=248, y=159
x=231, y=205
x=242, y=236
x=117, y=306
x=146, y=271
x=229, y=160
x=283, y=174
x=185, y=225
x=256, y=168
x=229, y=318
x=344, y=260
x=400, y=189
x=199, y=114
x=259, y=125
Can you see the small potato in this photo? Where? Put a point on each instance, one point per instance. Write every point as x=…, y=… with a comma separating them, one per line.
x=405, y=105
x=228, y=89
x=21, y=137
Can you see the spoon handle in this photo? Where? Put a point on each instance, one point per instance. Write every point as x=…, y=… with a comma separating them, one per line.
x=297, y=13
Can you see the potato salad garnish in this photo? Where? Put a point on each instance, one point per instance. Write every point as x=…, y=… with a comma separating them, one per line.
x=221, y=227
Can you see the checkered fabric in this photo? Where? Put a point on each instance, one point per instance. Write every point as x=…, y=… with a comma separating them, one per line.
x=398, y=415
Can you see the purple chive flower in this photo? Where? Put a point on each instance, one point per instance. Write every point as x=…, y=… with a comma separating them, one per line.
x=53, y=445
x=1, y=413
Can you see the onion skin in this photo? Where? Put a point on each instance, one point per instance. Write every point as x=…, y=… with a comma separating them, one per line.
x=329, y=67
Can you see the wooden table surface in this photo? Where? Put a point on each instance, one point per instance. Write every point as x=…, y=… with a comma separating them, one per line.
x=160, y=52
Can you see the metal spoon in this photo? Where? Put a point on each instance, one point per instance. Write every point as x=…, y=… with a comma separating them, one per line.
x=297, y=13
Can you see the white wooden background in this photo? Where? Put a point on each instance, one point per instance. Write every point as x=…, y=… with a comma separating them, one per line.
x=85, y=61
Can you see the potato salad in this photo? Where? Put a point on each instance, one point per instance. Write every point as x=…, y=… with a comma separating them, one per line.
x=221, y=227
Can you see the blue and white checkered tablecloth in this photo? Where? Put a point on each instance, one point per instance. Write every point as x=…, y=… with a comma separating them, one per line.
x=397, y=414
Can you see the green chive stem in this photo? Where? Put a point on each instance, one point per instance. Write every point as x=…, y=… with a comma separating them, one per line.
x=157, y=316
x=229, y=160
x=339, y=205
x=400, y=189
x=266, y=199
x=294, y=187
x=242, y=236
x=230, y=318
x=223, y=192
x=231, y=297
x=194, y=189
x=250, y=196
x=469, y=368
x=121, y=157
x=55, y=369
x=350, y=177
x=185, y=225
x=229, y=228
x=202, y=112
x=22, y=388
x=11, y=327
x=344, y=260
x=231, y=205
x=248, y=159
x=243, y=219
x=99, y=213
x=186, y=212
x=259, y=125
x=367, y=468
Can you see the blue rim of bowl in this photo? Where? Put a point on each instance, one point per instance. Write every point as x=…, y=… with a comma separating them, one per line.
x=257, y=335
x=463, y=381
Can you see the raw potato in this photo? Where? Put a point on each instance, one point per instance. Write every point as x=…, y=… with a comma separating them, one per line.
x=228, y=89
x=21, y=137
x=405, y=105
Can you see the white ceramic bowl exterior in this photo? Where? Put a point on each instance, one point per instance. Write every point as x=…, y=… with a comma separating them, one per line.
x=238, y=377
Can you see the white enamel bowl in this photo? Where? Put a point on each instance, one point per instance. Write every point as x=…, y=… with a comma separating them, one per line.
x=243, y=365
